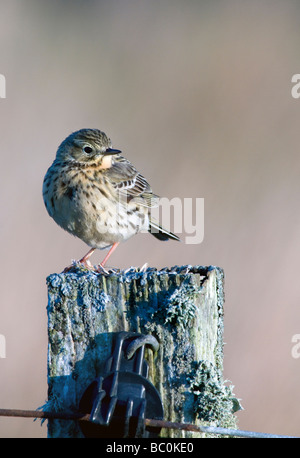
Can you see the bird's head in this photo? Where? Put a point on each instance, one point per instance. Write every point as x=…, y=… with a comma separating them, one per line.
x=87, y=145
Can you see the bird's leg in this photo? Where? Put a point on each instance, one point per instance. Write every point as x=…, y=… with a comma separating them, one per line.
x=86, y=262
x=85, y=259
x=112, y=249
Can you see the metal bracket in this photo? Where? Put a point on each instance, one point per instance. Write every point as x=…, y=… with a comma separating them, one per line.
x=122, y=398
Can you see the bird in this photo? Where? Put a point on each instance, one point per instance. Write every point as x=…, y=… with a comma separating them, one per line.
x=93, y=192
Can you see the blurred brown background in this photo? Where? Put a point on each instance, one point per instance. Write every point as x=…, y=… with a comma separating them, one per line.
x=198, y=96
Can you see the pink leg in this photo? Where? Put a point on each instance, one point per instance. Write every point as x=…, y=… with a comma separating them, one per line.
x=112, y=249
x=86, y=258
x=85, y=261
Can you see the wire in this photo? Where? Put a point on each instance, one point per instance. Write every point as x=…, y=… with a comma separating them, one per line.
x=148, y=422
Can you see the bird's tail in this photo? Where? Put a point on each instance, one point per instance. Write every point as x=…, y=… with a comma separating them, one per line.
x=160, y=233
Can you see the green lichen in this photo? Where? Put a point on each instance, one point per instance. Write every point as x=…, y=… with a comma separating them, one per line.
x=214, y=401
x=181, y=306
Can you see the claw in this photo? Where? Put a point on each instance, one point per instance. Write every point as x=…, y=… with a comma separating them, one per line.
x=101, y=270
x=87, y=264
x=144, y=267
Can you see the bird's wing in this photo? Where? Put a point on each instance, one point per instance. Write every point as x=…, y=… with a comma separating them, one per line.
x=129, y=183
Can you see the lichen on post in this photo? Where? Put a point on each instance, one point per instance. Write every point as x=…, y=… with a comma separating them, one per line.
x=181, y=306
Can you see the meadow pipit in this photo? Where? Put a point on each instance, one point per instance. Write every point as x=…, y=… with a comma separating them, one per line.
x=96, y=194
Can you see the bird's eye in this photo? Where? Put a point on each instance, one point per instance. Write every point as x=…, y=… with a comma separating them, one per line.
x=87, y=149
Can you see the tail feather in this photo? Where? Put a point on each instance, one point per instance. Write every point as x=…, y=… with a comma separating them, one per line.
x=160, y=233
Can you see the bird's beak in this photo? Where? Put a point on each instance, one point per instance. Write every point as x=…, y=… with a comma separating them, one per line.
x=111, y=152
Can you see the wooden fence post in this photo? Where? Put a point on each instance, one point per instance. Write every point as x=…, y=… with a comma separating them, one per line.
x=182, y=307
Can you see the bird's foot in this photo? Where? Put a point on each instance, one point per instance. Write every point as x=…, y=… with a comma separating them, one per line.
x=101, y=269
x=144, y=267
x=81, y=263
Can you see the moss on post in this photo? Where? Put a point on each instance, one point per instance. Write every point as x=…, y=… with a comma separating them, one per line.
x=182, y=307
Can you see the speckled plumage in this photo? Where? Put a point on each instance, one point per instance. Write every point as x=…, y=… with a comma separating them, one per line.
x=96, y=194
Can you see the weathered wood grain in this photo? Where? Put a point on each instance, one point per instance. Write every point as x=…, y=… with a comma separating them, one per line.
x=182, y=307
